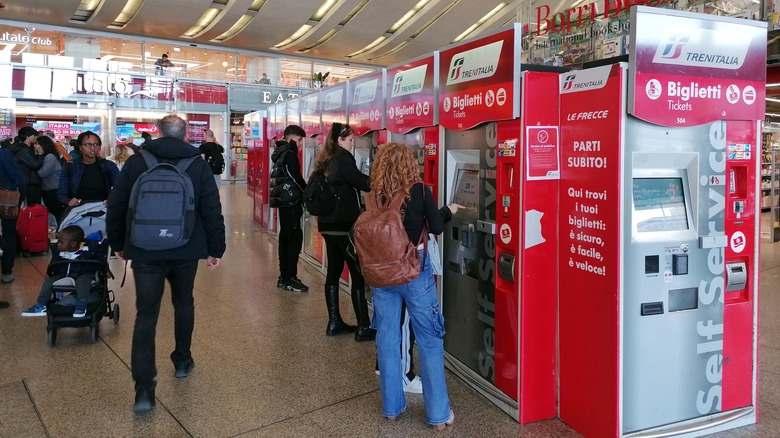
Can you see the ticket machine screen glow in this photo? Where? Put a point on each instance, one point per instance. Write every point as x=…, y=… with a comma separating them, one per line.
x=466, y=188
x=659, y=205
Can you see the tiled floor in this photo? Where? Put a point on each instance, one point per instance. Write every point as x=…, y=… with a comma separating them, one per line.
x=264, y=366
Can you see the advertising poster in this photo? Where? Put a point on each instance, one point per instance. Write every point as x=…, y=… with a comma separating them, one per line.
x=688, y=70
x=62, y=129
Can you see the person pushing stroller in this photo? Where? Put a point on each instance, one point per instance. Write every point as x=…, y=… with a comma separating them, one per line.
x=71, y=245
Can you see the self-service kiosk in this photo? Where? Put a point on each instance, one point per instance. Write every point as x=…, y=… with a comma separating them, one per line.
x=277, y=118
x=255, y=129
x=659, y=231
x=500, y=161
x=313, y=245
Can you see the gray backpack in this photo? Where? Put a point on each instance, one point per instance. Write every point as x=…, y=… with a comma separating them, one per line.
x=161, y=213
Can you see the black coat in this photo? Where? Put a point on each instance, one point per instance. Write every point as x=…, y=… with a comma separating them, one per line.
x=208, y=237
x=349, y=182
x=285, y=159
x=29, y=163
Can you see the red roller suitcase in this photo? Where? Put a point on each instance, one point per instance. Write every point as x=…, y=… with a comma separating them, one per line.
x=32, y=229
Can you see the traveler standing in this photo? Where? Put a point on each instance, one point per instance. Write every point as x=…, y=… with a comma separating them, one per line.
x=211, y=151
x=286, y=173
x=338, y=165
x=89, y=177
x=151, y=268
x=122, y=152
x=50, y=175
x=10, y=179
x=29, y=162
x=395, y=171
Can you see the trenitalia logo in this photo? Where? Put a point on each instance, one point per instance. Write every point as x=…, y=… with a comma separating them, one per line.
x=365, y=92
x=478, y=63
x=332, y=100
x=310, y=105
x=590, y=79
x=702, y=48
x=409, y=81
x=674, y=46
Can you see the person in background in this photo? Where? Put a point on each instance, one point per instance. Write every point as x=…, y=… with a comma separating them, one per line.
x=337, y=163
x=161, y=64
x=395, y=171
x=50, y=175
x=6, y=143
x=10, y=179
x=211, y=151
x=288, y=168
x=147, y=138
x=62, y=152
x=177, y=265
x=265, y=80
x=29, y=162
x=74, y=150
x=122, y=152
x=89, y=178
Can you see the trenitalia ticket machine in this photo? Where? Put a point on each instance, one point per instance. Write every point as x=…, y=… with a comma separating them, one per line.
x=500, y=160
x=660, y=221
x=366, y=117
x=411, y=113
x=313, y=245
x=255, y=129
x=277, y=119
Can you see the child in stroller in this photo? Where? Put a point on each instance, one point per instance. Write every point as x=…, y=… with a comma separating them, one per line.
x=71, y=245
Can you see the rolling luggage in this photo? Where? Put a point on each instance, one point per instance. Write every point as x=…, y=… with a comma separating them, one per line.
x=32, y=229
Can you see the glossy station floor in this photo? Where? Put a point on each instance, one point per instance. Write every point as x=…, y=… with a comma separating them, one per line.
x=264, y=367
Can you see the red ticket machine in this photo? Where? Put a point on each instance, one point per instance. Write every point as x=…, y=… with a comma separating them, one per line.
x=313, y=245
x=659, y=230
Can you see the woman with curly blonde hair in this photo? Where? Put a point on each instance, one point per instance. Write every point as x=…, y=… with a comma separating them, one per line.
x=395, y=171
x=121, y=153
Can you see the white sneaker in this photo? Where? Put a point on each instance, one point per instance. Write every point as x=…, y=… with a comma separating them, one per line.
x=376, y=372
x=415, y=386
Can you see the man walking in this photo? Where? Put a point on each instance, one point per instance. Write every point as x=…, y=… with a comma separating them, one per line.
x=211, y=151
x=287, y=171
x=177, y=265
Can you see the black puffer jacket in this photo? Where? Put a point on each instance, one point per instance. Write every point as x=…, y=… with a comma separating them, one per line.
x=208, y=235
x=349, y=182
x=286, y=168
x=29, y=163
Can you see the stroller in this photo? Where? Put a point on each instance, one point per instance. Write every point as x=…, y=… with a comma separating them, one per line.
x=91, y=217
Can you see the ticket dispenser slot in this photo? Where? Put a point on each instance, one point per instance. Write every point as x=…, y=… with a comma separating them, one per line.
x=506, y=267
x=736, y=276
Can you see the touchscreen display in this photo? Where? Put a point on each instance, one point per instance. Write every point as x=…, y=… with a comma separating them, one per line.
x=659, y=205
x=467, y=188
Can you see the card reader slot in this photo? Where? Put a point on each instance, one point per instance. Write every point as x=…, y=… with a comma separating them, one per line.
x=656, y=308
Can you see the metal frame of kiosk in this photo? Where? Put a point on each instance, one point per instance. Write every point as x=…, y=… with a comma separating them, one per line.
x=256, y=125
x=498, y=287
x=313, y=245
x=277, y=116
x=660, y=219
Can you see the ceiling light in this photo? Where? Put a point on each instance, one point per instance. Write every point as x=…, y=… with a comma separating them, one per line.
x=294, y=37
x=323, y=10
x=224, y=63
x=206, y=21
x=148, y=54
x=86, y=10
x=128, y=13
x=772, y=99
x=776, y=84
x=235, y=29
x=373, y=44
x=177, y=49
x=331, y=33
x=307, y=29
x=479, y=23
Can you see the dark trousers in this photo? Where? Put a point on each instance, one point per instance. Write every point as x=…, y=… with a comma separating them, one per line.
x=8, y=244
x=290, y=240
x=53, y=204
x=34, y=195
x=340, y=251
x=150, y=279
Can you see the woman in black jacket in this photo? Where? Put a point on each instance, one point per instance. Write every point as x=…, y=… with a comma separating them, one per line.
x=338, y=164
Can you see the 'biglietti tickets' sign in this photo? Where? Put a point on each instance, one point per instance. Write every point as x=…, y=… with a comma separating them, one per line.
x=688, y=69
x=365, y=109
x=477, y=80
x=310, y=114
x=334, y=105
x=410, y=95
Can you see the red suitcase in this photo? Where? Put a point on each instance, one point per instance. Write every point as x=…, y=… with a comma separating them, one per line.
x=32, y=229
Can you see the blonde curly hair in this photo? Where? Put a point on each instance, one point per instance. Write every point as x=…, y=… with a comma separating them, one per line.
x=394, y=170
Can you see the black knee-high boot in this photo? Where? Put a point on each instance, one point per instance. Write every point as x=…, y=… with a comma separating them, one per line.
x=336, y=326
x=364, y=332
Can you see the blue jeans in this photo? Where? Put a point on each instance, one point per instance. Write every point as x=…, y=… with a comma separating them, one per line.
x=150, y=279
x=428, y=325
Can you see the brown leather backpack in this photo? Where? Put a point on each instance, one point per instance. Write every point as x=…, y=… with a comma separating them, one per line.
x=386, y=256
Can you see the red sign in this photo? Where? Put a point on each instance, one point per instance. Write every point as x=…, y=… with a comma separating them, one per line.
x=477, y=80
x=591, y=120
x=333, y=103
x=689, y=69
x=310, y=114
x=543, y=158
x=151, y=128
x=366, y=103
x=410, y=95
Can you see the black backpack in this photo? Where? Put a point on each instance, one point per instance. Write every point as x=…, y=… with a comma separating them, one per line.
x=319, y=196
x=161, y=213
x=216, y=162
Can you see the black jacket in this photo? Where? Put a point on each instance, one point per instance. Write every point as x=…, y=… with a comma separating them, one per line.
x=29, y=163
x=285, y=159
x=208, y=237
x=349, y=182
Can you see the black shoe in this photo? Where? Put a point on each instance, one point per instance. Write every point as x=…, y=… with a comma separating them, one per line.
x=296, y=285
x=184, y=369
x=4, y=304
x=281, y=282
x=144, y=399
x=364, y=334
